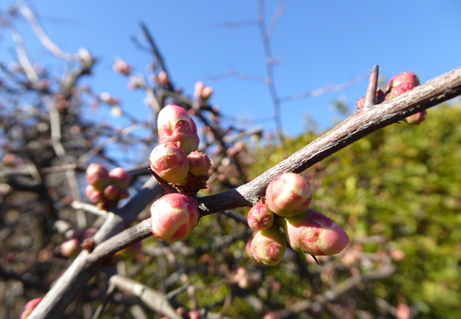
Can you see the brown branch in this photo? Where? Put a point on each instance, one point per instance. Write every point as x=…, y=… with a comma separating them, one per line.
x=360, y=124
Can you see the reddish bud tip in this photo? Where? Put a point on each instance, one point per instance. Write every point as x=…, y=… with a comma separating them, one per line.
x=120, y=177
x=122, y=67
x=405, y=77
x=93, y=194
x=288, y=195
x=260, y=217
x=30, y=306
x=174, y=217
x=111, y=192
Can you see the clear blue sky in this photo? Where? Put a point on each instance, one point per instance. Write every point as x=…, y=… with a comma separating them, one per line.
x=318, y=43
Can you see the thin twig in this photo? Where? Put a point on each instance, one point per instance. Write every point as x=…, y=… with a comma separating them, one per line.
x=370, y=97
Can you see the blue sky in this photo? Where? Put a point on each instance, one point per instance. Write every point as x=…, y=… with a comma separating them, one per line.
x=317, y=43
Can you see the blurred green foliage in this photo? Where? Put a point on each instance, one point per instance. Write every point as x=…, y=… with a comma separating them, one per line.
x=403, y=182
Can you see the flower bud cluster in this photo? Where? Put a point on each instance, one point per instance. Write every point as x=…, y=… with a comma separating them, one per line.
x=106, y=188
x=202, y=92
x=176, y=161
x=288, y=197
x=398, y=85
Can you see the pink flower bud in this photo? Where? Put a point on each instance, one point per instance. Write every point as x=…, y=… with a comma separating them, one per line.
x=416, y=118
x=272, y=315
x=90, y=232
x=288, y=195
x=174, y=217
x=122, y=67
x=93, y=194
x=98, y=176
x=111, y=192
x=260, y=217
x=360, y=103
x=30, y=306
x=199, y=86
x=170, y=163
x=268, y=246
x=315, y=234
x=195, y=315
x=176, y=125
x=405, y=77
x=199, y=163
x=120, y=177
x=162, y=78
x=71, y=247
x=130, y=252
x=206, y=93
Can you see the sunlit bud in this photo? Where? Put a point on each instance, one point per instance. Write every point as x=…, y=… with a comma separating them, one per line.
x=162, y=78
x=30, y=306
x=206, y=93
x=98, y=176
x=174, y=217
x=268, y=246
x=272, y=315
x=176, y=125
x=405, y=77
x=288, y=194
x=360, y=103
x=170, y=163
x=260, y=217
x=416, y=118
x=109, y=99
x=199, y=163
x=111, y=192
x=93, y=194
x=120, y=177
x=122, y=67
x=199, y=86
x=195, y=315
x=70, y=248
x=313, y=233
x=130, y=252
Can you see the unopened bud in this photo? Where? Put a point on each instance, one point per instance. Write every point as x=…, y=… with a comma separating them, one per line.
x=288, y=195
x=405, y=77
x=199, y=163
x=70, y=248
x=360, y=103
x=98, y=176
x=206, y=93
x=400, y=89
x=122, y=67
x=174, y=217
x=30, y=306
x=170, y=163
x=111, y=192
x=94, y=195
x=176, y=125
x=162, y=78
x=120, y=177
x=313, y=233
x=416, y=118
x=268, y=246
x=260, y=217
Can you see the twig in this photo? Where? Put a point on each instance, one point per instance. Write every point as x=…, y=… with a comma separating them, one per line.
x=90, y=209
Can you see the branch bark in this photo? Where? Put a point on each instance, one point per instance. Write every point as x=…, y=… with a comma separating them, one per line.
x=358, y=125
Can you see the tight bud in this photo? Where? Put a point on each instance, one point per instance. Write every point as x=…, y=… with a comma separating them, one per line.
x=416, y=118
x=93, y=194
x=30, y=306
x=170, y=163
x=71, y=247
x=315, y=234
x=288, y=195
x=260, y=217
x=268, y=246
x=405, y=77
x=120, y=177
x=111, y=192
x=98, y=176
x=199, y=163
x=176, y=125
x=174, y=217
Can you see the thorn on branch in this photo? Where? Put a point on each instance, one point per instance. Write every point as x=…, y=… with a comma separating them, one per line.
x=370, y=98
